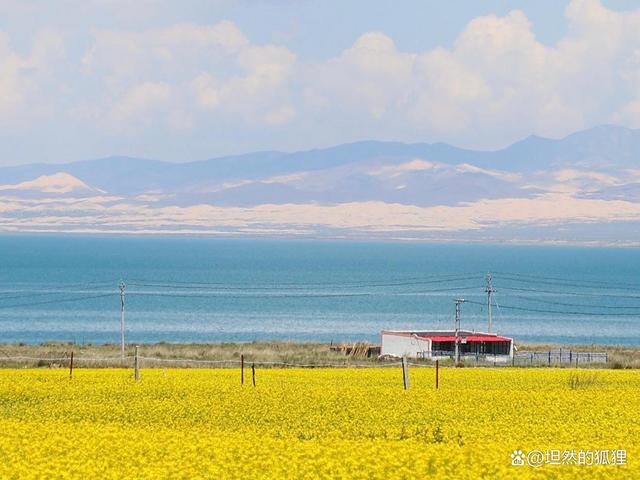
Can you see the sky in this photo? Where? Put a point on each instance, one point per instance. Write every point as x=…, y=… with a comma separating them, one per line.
x=194, y=79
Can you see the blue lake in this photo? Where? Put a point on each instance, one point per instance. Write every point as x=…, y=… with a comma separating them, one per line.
x=209, y=290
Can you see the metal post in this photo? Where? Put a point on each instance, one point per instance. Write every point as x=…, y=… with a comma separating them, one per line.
x=253, y=374
x=71, y=367
x=489, y=290
x=405, y=373
x=437, y=373
x=122, y=287
x=458, y=302
x=136, y=365
x=242, y=369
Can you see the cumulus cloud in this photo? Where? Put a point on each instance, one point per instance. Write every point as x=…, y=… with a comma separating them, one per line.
x=140, y=101
x=192, y=72
x=495, y=84
x=366, y=80
x=27, y=81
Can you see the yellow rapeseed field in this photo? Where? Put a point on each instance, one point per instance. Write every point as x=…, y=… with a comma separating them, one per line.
x=321, y=423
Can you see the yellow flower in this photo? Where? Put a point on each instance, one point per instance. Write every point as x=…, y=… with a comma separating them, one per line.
x=319, y=423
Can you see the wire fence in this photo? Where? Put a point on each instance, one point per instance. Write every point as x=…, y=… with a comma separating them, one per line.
x=555, y=357
x=537, y=358
x=247, y=369
x=150, y=362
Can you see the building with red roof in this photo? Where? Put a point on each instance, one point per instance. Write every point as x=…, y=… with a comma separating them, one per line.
x=441, y=344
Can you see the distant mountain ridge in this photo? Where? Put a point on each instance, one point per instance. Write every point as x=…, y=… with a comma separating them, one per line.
x=604, y=147
x=590, y=178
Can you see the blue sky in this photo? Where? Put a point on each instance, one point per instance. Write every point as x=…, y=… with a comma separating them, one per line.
x=196, y=79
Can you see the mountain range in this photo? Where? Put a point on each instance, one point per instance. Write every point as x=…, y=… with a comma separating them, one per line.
x=584, y=188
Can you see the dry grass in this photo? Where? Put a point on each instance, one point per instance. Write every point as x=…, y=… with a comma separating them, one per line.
x=94, y=355
x=579, y=380
x=263, y=351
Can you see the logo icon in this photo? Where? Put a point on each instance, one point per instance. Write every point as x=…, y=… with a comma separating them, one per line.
x=517, y=458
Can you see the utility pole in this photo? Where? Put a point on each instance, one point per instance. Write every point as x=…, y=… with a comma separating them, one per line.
x=489, y=289
x=122, y=287
x=458, y=301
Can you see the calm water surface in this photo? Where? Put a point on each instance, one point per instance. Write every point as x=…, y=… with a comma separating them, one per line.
x=202, y=289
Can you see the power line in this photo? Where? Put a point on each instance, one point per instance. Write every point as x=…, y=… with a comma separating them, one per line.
x=596, y=283
x=221, y=295
x=556, y=292
x=413, y=278
x=585, y=314
x=551, y=302
x=569, y=284
x=180, y=285
x=224, y=295
x=38, y=293
x=451, y=289
x=64, y=300
x=291, y=295
x=77, y=284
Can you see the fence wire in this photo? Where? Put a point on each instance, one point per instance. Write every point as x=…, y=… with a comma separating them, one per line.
x=519, y=359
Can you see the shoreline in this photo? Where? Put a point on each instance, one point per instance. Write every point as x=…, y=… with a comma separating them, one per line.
x=55, y=354
x=455, y=240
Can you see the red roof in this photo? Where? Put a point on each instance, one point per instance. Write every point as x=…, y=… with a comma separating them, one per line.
x=481, y=338
x=468, y=338
x=448, y=336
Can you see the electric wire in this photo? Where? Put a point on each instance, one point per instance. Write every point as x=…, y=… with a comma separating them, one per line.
x=585, y=314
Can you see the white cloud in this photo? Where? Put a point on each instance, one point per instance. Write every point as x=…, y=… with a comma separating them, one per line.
x=140, y=101
x=495, y=84
x=190, y=74
x=171, y=52
x=27, y=81
x=366, y=80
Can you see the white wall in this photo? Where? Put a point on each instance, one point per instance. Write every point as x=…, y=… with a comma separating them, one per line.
x=400, y=345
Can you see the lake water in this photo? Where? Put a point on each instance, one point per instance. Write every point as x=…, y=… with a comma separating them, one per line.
x=210, y=290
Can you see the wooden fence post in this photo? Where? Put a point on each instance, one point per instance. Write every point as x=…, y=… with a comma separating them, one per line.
x=253, y=374
x=405, y=373
x=437, y=373
x=242, y=369
x=136, y=365
x=71, y=366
